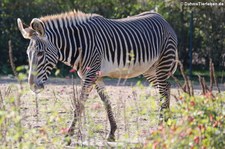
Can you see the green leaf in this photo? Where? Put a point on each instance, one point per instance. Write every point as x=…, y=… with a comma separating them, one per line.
x=22, y=76
x=57, y=72
x=19, y=68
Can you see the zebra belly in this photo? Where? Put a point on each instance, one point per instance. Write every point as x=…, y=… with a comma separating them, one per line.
x=115, y=71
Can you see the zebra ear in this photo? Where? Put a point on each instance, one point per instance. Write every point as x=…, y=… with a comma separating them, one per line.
x=27, y=32
x=38, y=26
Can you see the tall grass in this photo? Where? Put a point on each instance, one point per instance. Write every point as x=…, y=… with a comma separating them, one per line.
x=196, y=121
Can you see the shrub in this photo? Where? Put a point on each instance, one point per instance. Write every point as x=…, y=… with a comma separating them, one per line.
x=200, y=125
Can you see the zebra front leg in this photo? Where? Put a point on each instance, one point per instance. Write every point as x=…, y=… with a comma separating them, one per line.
x=164, y=90
x=105, y=98
x=79, y=107
x=78, y=110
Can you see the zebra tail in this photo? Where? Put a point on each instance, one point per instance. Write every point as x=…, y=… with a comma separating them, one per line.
x=176, y=62
x=174, y=65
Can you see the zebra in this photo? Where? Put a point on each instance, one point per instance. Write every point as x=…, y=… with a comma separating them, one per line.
x=96, y=47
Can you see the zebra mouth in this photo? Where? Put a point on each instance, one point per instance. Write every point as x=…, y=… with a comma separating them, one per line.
x=37, y=88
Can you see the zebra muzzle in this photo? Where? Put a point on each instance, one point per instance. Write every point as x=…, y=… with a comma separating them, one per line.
x=37, y=87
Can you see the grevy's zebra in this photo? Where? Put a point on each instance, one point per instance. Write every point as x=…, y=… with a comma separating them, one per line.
x=97, y=47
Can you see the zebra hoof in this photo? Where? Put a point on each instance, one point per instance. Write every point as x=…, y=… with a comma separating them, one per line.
x=111, y=138
x=67, y=140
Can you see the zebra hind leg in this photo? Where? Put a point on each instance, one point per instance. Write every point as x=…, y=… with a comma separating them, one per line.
x=105, y=98
x=164, y=91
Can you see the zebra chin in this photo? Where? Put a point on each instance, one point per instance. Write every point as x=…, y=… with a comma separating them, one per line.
x=37, y=87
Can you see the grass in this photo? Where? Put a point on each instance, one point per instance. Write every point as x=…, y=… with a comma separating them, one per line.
x=22, y=127
x=135, y=110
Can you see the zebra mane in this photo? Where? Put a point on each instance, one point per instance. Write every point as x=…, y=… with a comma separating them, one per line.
x=77, y=16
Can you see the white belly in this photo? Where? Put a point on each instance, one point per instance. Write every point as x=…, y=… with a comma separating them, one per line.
x=113, y=71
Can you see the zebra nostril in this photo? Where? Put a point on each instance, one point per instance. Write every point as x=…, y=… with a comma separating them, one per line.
x=37, y=88
x=40, y=86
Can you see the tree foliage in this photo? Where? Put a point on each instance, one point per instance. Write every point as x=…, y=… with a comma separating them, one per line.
x=208, y=35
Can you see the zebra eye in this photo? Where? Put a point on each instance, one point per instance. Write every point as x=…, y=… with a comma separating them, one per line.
x=40, y=53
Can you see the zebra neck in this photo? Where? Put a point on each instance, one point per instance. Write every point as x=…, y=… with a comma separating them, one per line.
x=70, y=39
x=71, y=57
x=69, y=46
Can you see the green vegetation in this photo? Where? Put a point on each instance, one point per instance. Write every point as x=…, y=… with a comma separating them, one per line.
x=16, y=122
x=208, y=35
x=200, y=125
x=196, y=121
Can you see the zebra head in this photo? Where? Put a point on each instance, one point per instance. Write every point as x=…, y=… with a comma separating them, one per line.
x=42, y=54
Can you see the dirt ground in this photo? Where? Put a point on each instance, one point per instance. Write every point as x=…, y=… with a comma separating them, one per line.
x=134, y=107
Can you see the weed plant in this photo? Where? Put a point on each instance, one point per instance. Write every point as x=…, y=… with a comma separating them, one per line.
x=196, y=121
x=201, y=124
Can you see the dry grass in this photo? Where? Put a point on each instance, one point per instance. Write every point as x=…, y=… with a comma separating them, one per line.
x=135, y=108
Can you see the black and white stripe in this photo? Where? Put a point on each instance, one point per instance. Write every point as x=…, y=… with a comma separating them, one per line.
x=121, y=48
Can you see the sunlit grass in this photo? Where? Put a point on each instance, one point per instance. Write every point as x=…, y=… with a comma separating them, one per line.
x=136, y=114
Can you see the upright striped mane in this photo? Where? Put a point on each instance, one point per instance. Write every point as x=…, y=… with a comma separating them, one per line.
x=77, y=16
